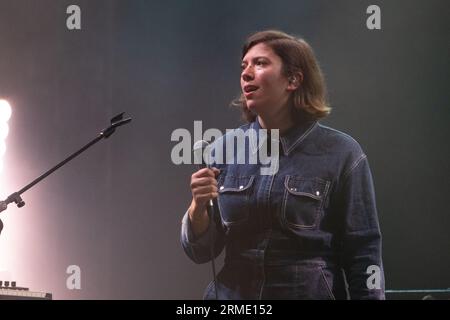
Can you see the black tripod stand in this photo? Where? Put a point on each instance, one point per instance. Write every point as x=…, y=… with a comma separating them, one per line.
x=15, y=197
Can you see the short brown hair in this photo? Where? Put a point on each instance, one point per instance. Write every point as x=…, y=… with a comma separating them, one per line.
x=297, y=57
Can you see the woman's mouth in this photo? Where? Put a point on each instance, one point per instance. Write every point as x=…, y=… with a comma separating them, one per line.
x=249, y=90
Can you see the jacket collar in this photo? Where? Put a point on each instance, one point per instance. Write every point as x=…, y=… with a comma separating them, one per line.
x=289, y=141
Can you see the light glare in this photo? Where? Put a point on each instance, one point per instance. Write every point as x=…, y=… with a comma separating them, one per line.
x=5, y=110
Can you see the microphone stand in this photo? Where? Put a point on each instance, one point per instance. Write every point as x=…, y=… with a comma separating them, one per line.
x=15, y=197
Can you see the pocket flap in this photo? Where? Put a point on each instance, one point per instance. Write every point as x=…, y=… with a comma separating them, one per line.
x=235, y=184
x=314, y=188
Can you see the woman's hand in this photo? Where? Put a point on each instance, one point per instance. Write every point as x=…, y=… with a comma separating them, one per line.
x=204, y=188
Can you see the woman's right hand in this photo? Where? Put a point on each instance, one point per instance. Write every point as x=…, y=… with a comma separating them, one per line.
x=204, y=188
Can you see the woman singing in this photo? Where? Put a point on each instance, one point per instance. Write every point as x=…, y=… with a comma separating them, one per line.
x=309, y=230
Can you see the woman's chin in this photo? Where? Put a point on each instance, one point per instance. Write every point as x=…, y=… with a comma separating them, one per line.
x=253, y=107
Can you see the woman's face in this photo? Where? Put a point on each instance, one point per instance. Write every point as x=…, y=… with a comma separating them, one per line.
x=263, y=84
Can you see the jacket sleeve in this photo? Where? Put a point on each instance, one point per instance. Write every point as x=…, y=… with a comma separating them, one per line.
x=199, y=249
x=361, y=238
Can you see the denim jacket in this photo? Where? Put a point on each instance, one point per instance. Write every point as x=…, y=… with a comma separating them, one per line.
x=308, y=231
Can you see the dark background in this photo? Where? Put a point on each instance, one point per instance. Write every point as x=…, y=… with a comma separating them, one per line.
x=116, y=210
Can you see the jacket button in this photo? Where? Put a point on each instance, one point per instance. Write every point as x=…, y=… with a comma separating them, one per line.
x=222, y=187
x=241, y=187
x=317, y=193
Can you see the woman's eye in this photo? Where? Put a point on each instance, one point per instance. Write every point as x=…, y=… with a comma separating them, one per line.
x=260, y=63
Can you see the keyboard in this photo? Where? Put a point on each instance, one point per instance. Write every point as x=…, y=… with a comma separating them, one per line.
x=12, y=292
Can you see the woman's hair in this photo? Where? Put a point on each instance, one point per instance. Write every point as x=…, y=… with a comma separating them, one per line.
x=298, y=57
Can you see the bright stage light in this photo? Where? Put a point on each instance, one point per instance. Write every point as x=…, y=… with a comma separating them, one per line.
x=5, y=114
x=4, y=130
x=5, y=111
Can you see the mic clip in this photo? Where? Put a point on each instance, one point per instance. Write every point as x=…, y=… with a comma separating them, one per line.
x=116, y=121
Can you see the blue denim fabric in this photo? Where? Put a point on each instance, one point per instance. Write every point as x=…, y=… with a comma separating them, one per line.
x=310, y=231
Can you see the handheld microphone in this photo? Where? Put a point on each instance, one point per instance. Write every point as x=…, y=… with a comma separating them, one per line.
x=199, y=154
x=201, y=151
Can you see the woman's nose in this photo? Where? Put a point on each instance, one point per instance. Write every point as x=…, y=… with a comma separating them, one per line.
x=247, y=73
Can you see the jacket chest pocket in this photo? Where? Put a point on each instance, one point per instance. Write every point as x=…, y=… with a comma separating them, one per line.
x=234, y=197
x=303, y=201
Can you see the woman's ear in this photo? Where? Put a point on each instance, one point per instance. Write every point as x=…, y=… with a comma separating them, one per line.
x=295, y=81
